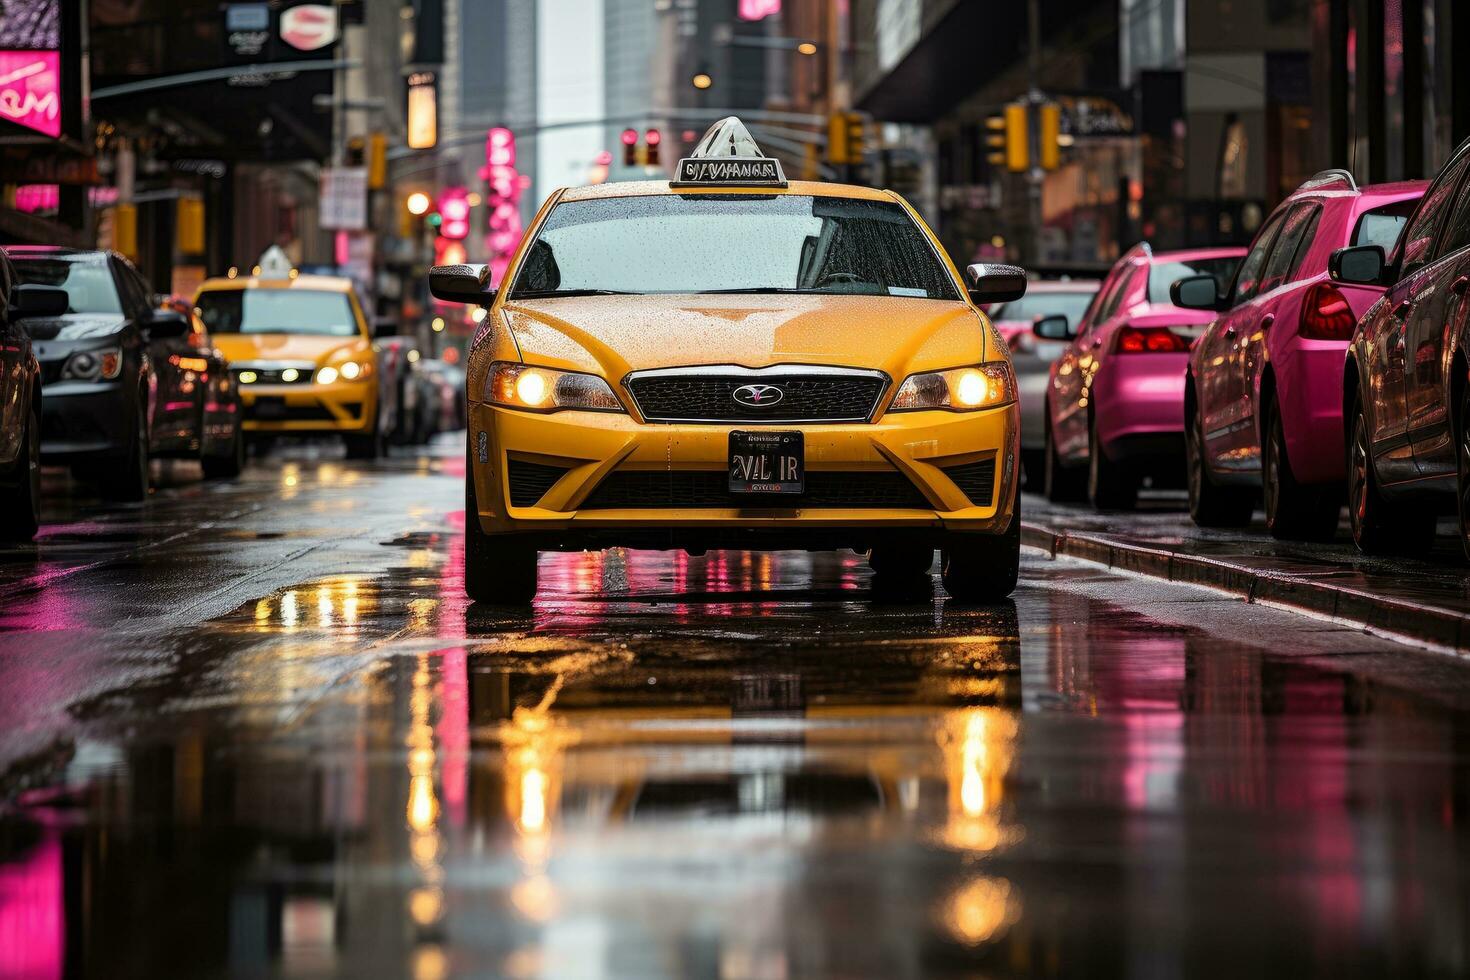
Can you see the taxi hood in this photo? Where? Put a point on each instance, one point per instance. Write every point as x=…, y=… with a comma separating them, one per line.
x=285, y=347
x=612, y=335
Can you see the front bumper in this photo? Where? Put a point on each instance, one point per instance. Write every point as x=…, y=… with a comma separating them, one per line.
x=344, y=406
x=928, y=455
x=83, y=420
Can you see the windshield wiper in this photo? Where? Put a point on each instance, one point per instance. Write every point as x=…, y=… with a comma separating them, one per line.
x=554, y=293
x=753, y=290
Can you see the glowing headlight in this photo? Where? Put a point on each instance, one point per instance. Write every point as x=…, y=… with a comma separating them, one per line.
x=248, y=377
x=958, y=390
x=289, y=375
x=351, y=370
x=546, y=390
x=326, y=375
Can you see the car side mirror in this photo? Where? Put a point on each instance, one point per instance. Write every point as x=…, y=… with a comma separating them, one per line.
x=31, y=300
x=461, y=284
x=996, y=283
x=1363, y=265
x=1196, y=293
x=167, y=325
x=1054, y=327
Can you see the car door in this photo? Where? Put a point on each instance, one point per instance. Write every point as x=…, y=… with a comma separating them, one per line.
x=13, y=368
x=1264, y=311
x=1413, y=294
x=1439, y=307
x=1076, y=367
x=1222, y=392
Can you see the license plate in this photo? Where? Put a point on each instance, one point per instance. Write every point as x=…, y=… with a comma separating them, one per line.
x=269, y=407
x=767, y=462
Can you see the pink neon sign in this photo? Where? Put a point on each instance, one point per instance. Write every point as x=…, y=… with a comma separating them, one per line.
x=30, y=90
x=758, y=9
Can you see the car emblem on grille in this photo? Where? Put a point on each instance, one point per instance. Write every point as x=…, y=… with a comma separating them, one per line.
x=758, y=396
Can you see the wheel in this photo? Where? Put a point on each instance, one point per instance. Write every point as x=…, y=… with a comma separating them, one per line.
x=1378, y=527
x=20, y=505
x=226, y=465
x=978, y=568
x=1294, y=512
x=1211, y=505
x=497, y=571
x=1063, y=485
x=1110, y=485
x=901, y=561
x=366, y=446
x=126, y=478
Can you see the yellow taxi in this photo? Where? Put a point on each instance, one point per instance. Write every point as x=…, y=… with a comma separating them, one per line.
x=301, y=350
x=732, y=360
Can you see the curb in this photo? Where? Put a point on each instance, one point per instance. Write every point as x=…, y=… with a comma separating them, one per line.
x=1435, y=626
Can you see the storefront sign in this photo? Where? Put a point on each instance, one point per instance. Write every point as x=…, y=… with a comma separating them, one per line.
x=758, y=9
x=423, y=110
x=309, y=27
x=344, y=198
x=30, y=90
x=247, y=28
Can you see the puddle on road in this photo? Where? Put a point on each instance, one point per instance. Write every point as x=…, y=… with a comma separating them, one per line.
x=736, y=765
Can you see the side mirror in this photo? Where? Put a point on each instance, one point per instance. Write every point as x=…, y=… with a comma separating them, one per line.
x=167, y=325
x=996, y=283
x=30, y=300
x=1054, y=327
x=461, y=284
x=1196, y=293
x=1362, y=265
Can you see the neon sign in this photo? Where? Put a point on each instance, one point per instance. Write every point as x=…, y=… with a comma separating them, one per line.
x=758, y=9
x=30, y=90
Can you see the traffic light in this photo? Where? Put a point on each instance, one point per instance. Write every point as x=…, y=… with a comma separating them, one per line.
x=377, y=161
x=652, y=139
x=630, y=147
x=189, y=226
x=845, y=138
x=1018, y=152
x=1051, y=135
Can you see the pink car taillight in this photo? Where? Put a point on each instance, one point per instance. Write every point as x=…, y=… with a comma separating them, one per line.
x=1326, y=314
x=1152, y=340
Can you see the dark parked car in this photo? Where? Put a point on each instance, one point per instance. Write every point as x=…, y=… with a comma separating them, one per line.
x=197, y=413
x=101, y=382
x=20, y=404
x=1406, y=390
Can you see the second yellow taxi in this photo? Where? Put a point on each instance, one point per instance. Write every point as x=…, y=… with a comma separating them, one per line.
x=732, y=360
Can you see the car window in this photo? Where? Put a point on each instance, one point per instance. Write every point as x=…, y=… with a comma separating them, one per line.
x=87, y=279
x=694, y=243
x=1163, y=275
x=1033, y=305
x=1283, y=258
x=1126, y=285
x=1248, y=278
x=311, y=312
x=1416, y=247
x=1457, y=229
x=1382, y=225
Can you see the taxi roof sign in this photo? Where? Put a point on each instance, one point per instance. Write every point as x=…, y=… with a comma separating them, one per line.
x=728, y=156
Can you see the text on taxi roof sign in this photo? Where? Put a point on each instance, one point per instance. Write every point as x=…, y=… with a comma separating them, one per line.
x=728, y=155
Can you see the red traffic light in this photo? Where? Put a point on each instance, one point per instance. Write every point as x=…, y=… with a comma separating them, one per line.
x=630, y=137
x=653, y=137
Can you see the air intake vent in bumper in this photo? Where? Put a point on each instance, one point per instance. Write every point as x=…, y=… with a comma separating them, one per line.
x=976, y=479
x=530, y=481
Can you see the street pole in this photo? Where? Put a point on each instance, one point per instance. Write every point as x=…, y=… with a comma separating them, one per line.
x=1034, y=99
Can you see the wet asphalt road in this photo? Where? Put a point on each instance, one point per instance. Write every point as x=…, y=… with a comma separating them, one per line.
x=255, y=729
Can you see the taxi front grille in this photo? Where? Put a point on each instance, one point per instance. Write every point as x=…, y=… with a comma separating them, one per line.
x=529, y=481
x=976, y=480
x=645, y=489
x=770, y=396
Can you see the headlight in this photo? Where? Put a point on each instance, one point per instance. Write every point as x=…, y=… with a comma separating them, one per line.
x=959, y=390
x=350, y=371
x=545, y=390
x=93, y=365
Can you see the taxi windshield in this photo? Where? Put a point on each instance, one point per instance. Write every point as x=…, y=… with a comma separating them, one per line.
x=775, y=243
x=313, y=312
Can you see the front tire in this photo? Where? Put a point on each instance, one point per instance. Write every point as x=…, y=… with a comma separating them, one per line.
x=1211, y=505
x=497, y=570
x=1110, y=485
x=978, y=568
x=1379, y=528
x=126, y=479
x=368, y=446
x=1294, y=512
x=20, y=506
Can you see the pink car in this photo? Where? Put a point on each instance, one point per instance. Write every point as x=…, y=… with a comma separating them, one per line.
x=1114, y=406
x=1264, y=394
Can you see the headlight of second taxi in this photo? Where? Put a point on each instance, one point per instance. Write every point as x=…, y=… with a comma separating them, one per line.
x=968, y=389
x=537, y=389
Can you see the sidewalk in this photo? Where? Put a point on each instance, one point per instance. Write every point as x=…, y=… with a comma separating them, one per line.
x=1423, y=601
